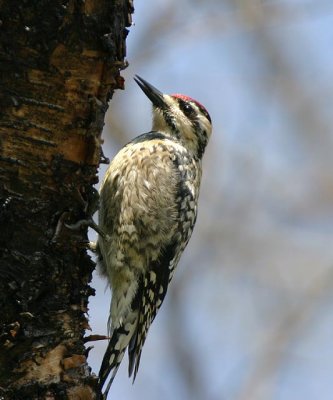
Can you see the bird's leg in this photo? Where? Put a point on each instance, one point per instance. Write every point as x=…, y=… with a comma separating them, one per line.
x=89, y=222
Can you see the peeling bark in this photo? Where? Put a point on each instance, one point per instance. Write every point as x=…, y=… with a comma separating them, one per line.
x=60, y=62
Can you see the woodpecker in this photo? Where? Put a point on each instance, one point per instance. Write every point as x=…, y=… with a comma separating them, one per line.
x=148, y=208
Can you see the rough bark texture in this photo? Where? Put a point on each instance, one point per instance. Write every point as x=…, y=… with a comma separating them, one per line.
x=60, y=62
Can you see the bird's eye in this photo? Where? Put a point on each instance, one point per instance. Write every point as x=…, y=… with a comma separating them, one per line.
x=188, y=110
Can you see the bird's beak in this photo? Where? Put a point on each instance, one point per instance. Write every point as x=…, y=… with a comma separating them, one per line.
x=153, y=94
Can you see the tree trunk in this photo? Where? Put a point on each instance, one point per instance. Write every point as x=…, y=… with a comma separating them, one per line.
x=60, y=62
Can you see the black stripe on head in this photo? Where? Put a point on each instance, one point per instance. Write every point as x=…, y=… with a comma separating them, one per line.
x=204, y=111
x=191, y=113
x=170, y=122
x=185, y=105
x=202, y=138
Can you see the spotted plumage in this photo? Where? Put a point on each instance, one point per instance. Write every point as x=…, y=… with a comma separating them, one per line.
x=148, y=208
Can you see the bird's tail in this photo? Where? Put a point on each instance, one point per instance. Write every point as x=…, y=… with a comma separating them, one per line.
x=114, y=354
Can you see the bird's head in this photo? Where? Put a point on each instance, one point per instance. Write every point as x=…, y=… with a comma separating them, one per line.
x=179, y=116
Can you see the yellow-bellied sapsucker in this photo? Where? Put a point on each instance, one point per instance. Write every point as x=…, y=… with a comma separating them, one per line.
x=148, y=208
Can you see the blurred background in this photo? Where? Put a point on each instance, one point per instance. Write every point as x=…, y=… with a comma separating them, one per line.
x=249, y=314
